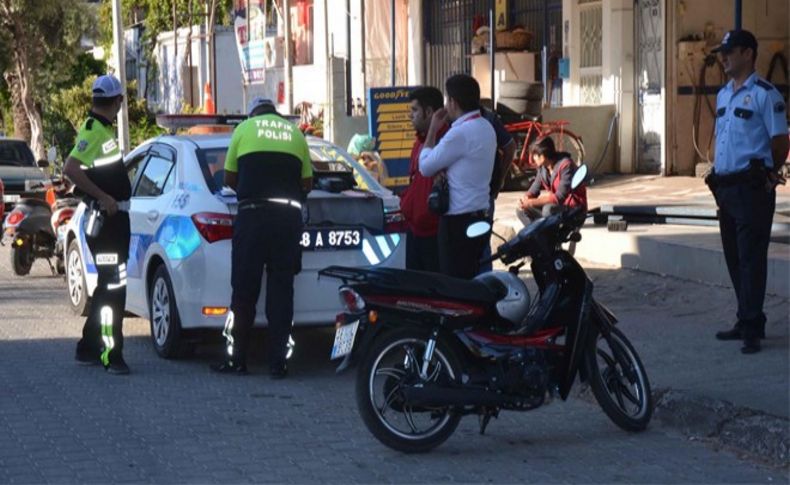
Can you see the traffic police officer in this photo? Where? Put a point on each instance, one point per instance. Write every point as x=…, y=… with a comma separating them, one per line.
x=95, y=166
x=268, y=164
x=751, y=145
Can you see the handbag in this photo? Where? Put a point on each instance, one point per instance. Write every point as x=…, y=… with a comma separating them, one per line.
x=439, y=198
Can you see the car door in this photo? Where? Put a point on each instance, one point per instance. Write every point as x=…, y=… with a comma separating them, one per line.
x=151, y=197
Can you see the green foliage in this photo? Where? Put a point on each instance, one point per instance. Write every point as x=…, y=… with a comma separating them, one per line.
x=70, y=106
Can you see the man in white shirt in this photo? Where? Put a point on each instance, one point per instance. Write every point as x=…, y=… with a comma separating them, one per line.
x=466, y=154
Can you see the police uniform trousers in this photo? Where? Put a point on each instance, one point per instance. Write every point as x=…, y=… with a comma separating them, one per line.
x=103, y=330
x=265, y=237
x=746, y=211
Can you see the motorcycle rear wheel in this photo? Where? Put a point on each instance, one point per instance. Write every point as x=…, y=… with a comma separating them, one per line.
x=618, y=380
x=21, y=259
x=393, y=360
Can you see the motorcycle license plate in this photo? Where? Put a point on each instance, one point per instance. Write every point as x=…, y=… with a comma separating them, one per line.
x=344, y=340
x=11, y=199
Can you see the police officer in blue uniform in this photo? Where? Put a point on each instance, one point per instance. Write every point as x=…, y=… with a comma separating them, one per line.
x=751, y=147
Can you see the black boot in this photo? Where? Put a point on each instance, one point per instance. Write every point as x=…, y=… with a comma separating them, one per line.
x=229, y=367
x=736, y=332
x=278, y=370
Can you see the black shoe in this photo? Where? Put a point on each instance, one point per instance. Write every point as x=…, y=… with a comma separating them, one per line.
x=751, y=345
x=87, y=358
x=229, y=367
x=278, y=371
x=736, y=333
x=117, y=367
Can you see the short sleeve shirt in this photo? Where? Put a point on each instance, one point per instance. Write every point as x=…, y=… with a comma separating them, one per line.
x=97, y=150
x=271, y=156
x=746, y=120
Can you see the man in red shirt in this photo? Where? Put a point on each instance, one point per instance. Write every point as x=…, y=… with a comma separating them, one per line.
x=422, y=249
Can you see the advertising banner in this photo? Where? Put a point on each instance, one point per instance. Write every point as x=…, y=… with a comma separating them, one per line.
x=389, y=123
x=249, y=22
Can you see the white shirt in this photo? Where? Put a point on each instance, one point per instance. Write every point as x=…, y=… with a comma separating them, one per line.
x=467, y=151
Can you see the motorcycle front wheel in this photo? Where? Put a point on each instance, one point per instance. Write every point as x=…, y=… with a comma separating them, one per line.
x=396, y=359
x=618, y=380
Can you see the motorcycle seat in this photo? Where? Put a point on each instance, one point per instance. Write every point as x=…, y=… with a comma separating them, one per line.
x=433, y=285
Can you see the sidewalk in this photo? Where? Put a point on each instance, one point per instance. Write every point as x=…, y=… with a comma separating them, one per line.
x=672, y=308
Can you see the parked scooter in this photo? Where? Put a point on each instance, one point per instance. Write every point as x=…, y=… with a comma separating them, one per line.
x=36, y=227
x=432, y=348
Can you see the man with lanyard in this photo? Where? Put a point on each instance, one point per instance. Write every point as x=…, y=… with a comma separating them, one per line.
x=506, y=151
x=268, y=164
x=467, y=155
x=751, y=145
x=95, y=166
x=422, y=249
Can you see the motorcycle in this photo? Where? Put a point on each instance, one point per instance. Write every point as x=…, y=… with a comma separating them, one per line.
x=432, y=349
x=37, y=227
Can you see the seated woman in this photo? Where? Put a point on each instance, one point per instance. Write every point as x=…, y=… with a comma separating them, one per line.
x=555, y=172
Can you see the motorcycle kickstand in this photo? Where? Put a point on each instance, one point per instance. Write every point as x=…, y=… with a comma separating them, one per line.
x=52, y=268
x=485, y=418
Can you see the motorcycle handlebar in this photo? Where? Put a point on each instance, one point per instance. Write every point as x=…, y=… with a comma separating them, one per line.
x=567, y=216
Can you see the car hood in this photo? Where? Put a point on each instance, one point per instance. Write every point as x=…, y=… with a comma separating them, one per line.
x=20, y=174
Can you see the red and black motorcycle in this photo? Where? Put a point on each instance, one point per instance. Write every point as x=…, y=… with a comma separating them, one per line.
x=432, y=349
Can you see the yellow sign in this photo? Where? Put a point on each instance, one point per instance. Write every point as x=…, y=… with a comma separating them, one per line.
x=501, y=14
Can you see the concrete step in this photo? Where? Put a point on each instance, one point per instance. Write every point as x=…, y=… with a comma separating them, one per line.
x=688, y=252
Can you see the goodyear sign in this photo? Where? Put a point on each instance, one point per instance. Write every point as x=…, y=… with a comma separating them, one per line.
x=389, y=123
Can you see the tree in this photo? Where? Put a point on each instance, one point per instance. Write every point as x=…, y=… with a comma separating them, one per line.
x=159, y=16
x=39, y=42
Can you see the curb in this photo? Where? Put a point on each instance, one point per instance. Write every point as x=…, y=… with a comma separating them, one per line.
x=745, y=431
x=762, y=435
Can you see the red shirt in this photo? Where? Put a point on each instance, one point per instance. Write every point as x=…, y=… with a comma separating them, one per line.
x=558, y=185
x=414, y=200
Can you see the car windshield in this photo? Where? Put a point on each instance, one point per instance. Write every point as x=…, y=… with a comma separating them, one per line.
x=325, y=157
x=16, y=153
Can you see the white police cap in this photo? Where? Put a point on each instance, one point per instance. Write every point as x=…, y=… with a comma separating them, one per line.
x=107, y=86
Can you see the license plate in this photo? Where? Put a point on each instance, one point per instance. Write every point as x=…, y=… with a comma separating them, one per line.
x=344, y=340
x=331, y=239
x=11, y=198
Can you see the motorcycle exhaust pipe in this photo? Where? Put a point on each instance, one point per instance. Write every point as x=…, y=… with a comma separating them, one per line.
x=436, y=396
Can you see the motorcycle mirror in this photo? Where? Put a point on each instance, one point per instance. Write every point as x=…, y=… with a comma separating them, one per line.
x=42, y=163
x=477, y=229
x=579, y=177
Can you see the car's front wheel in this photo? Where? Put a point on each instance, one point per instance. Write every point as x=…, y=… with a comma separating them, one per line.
x=75, y=279
x=166, y=333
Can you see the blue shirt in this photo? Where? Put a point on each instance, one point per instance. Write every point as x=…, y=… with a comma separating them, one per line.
x=746, y=120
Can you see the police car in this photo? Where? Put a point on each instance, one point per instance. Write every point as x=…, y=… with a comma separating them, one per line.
x=181, y=224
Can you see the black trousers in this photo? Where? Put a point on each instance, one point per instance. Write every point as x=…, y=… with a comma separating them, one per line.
x=264, y=238
x=459, y=256
x=102, y=333
x=746, y=213
x=422, y=253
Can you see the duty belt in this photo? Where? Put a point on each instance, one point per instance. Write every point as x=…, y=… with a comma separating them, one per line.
x=260, y=203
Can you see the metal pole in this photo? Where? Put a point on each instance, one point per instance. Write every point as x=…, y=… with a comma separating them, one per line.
x=289, y=93
x=738, y=14
x=392, y=43
x=349, y=101
x=119, y=52
x=492, y=49
x=546, y=87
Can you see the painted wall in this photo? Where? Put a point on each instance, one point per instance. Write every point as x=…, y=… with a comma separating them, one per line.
x=767, y=19
x=591, y=123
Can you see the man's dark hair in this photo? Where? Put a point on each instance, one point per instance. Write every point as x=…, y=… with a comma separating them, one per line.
x=464, y=90
x=428, y=97
x=102, y=102
x=544, y=147
x=264, y=109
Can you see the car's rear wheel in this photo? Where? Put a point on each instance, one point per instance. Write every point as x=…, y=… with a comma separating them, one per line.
x=166, y=333
x=75, y=278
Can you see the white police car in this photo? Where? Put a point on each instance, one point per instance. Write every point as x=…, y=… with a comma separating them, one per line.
x=181, y=224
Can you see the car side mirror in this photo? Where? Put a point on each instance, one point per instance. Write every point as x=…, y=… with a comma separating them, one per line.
x=42, y=163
